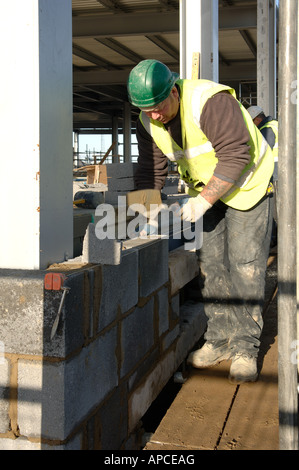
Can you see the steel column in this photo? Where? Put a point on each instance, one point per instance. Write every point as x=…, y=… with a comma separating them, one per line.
x=287, y=271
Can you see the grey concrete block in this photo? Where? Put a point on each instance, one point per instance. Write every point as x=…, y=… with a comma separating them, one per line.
x=183, y=267
x=120, y=184
x=54, y=398
x=174, y=314
x=27, y=313
x=137, y=336
x=106, y=251
x=122, y=280
x=22, y=318
x=171, y=336
x=163, y=309
x=153, y=266
x=114, y=419
x=120, y=170
x=24, y=444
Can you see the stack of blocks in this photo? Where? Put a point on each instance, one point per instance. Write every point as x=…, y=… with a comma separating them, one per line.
x=119, y=178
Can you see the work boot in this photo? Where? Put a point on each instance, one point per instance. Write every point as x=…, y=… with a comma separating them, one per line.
x=208, y=355
x=243, y=369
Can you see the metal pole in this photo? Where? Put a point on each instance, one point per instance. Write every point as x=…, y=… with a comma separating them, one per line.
x=287, y=275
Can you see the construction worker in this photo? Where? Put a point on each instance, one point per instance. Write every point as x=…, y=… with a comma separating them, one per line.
x=269, y=128
x=227, y=166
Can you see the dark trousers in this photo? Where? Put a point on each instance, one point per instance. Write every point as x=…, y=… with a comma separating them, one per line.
x=233, y=262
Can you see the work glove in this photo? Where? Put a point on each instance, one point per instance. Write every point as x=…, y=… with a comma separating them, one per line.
x=192, y=208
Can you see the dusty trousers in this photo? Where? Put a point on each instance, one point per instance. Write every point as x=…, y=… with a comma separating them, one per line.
x=233, y=262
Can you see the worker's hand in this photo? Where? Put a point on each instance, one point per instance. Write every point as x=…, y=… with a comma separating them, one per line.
x=192, y=208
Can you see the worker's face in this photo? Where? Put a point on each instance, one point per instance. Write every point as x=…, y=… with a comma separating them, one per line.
x=166, y=110
x=257, y=121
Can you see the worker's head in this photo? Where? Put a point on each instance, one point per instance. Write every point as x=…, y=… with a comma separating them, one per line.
x=151, y=87
x=257, y=114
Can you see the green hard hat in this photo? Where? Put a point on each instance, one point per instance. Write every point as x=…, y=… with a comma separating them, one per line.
x=149, y=83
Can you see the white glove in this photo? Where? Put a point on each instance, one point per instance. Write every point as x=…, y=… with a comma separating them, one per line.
x=192, y=208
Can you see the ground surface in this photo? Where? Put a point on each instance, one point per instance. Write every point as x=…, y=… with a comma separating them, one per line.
x=208, y=413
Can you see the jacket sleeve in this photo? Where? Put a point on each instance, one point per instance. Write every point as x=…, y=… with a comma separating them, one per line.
x=223, y=123
x=152, y=166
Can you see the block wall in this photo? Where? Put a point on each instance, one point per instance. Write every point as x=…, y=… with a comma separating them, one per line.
x=122, y=335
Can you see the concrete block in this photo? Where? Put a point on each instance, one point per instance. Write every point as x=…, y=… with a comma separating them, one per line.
x=171, y=336
x=137, y=336
x=183, y=267
x=90, y=377
x=54, y=398
x=193, y=325
x=22, y=319
x=22, y=443
x=123, y=279
x=28, y=311
x=171, y=185
x=4, y=395
x=113, y=417
x=111, y=197
x=153, y=266
x=119, y=170
x=163, y=309
x=106, y=251
x=147, y=392
x=120, y=184
x=174, y=313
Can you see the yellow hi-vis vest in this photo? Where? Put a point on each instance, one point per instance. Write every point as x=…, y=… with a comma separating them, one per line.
x=274, y=126
x=197, y=159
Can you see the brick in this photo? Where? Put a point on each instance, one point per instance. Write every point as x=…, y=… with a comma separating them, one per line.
x=137, y=336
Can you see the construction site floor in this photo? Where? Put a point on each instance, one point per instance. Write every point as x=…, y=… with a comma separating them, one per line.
x=209, y=413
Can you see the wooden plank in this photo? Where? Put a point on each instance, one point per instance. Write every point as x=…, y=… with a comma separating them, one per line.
x=195, y=418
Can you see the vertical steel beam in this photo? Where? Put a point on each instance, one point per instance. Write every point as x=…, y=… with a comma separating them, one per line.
x=266, y=56
x=36, y=133
x=287, y=270
x=199, y=38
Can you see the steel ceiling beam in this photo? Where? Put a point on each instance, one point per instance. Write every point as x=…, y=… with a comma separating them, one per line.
x=98, y=26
